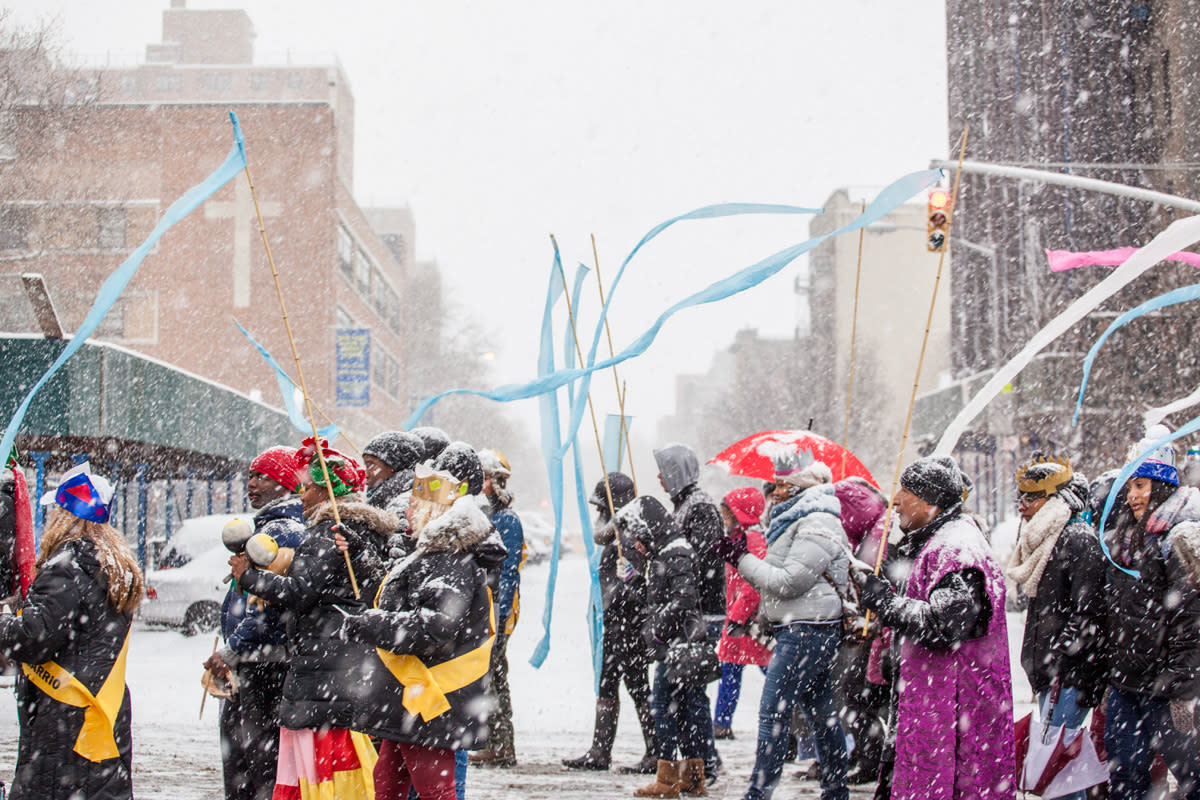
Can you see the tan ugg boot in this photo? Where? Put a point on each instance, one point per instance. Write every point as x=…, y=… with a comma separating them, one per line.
x=666, y=782
x=691, y=778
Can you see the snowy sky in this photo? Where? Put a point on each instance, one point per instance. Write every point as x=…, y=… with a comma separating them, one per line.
x=502, y=123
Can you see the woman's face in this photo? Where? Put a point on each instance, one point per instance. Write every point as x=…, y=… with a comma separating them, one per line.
x=313, y=496
x=1137, y=495
x=727, y=516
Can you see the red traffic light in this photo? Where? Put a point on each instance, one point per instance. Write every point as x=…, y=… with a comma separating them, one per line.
x=938, y=199
x=937, y=220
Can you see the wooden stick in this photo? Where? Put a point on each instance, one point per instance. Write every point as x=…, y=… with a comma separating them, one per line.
x=204, y=687
x=887, y=521
x=853, y=337
x=595, y=428
x=617, y=383
x=308, y=405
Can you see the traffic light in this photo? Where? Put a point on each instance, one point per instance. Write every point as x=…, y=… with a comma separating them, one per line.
x=937, y=221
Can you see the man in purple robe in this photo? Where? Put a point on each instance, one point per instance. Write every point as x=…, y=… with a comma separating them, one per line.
x=952, y=721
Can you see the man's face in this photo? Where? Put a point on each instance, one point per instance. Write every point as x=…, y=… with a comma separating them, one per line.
x=489, y=489
x=262, y=490
x=377, y=471
x=663, y=483
x=913, y=512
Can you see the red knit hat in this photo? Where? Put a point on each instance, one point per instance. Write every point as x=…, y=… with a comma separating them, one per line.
x=346, y=474
x=280, y=465
x=746, y=504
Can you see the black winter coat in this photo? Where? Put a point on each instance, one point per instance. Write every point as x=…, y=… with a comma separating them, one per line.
x=434, y=606
x=325, y=674
x=699, y=521
x=1066, y=618
x=1153, y=624
x=67, y=620
x=672, y=601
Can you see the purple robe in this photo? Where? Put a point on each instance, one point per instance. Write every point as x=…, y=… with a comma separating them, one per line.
x=954, y=736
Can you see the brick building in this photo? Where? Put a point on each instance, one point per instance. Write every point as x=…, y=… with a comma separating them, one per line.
x=92, y=195
x=1104, y=90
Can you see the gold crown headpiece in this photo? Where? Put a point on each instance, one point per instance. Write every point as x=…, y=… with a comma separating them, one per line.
x=436, y=487
x=1048, y=484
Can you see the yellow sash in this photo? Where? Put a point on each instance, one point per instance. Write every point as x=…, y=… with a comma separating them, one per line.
x=425, y=688
x=96, y=741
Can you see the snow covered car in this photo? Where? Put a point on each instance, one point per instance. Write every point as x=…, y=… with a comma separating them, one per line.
x=187, y=585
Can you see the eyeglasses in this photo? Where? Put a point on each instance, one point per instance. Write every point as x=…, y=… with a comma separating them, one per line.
x=1029, y=498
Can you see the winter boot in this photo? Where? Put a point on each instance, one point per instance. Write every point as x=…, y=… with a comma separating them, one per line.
x=722, y=732
x=648, y=763
x=692, y=778
x=666, y=782
x=599, y=757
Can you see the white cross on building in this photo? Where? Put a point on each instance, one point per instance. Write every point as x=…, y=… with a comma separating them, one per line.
x=245, y=223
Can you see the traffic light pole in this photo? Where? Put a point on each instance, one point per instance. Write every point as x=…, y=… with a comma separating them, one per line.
x=1071, y=181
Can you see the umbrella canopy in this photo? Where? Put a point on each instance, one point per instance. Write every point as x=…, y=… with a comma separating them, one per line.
x=752, y=456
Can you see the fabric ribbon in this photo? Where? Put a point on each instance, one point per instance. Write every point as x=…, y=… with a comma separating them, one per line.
x=115, y=284
x=25, y=548
x=96, y=740
x=1061, y=260
x=289, y=389
x=425, y=688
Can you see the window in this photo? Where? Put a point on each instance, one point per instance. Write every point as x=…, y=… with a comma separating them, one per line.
x=216, y=81
x=111, y=233
x=362, y=274
x=260, y=81
x=295, y=80
x=129, y=84
x=168, y=83
x=385, y=372
x=379, y=294
x=393, y=316
x=14, y=228
x=345, y=251
x=344, y=320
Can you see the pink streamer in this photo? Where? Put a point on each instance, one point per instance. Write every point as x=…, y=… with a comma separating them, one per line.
x=1061, y=260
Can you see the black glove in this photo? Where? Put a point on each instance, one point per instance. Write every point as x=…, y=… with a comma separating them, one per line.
x=876, y=594
x=731, y=548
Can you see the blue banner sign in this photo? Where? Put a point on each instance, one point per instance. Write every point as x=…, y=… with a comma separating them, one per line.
x=353, y=367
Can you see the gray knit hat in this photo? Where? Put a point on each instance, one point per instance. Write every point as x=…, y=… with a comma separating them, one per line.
x=397, y=449
x=937, y=480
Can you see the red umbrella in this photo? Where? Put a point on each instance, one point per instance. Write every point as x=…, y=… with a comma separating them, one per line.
x=751, y=456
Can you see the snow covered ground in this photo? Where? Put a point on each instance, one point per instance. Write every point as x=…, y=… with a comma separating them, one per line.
x=177, y=754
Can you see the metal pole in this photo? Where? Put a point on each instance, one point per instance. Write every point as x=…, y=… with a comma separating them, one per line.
x=1071, y=182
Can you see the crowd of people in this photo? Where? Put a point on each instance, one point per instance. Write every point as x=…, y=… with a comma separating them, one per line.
x=365, y=629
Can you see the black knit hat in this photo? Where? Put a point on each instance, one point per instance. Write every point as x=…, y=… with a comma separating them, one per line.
x=461, y=461
x=621, y=486
x=937, y=480
x=434, y=439
x=397, y=449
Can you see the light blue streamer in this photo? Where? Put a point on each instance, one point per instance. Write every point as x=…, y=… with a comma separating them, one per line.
x=1182, y=295
x=116, y=282
x=887, y=201
x=551, y=433
x=287, y=388
x=596, y=600
x=1126, y=473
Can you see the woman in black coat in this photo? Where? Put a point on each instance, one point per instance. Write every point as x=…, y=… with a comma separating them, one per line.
x=433, y=628
x=73, y=632
x=326, y=673
x=680, y=705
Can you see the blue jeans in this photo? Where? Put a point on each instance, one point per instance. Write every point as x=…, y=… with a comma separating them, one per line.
x=1069, y=713
x=681, y=719
x=800, y=673
x=1136, y=727
x=728, y=692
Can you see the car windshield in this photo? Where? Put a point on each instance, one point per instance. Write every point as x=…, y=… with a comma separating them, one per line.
x=196, y=536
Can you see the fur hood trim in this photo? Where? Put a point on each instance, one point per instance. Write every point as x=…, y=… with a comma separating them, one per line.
x=458, y=530
x=1185, y=542
x=352, y=508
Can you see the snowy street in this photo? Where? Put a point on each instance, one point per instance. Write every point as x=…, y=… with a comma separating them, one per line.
x=177, y=757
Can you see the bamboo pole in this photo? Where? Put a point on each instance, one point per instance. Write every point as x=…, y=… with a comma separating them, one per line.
x=617, y=383
x=887, y=521
x=308, y=404
x=853, y=337
x=612, y=511
x=203, y=685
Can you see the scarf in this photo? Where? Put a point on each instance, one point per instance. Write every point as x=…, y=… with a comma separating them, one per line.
x=1035, y=543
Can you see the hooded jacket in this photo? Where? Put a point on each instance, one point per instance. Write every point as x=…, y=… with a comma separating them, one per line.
x=805, y=542
x=325, y=674
x=698, y=520
x=672, y=602
x=433, y=605
x=68, y=620
x=1152, y=639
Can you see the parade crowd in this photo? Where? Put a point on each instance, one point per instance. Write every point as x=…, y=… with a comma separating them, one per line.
x=365, y=628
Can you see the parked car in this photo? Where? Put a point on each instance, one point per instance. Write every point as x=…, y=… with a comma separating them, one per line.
x=190, y=578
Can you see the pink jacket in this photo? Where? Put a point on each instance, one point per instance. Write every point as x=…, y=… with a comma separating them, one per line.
x=741, y=607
